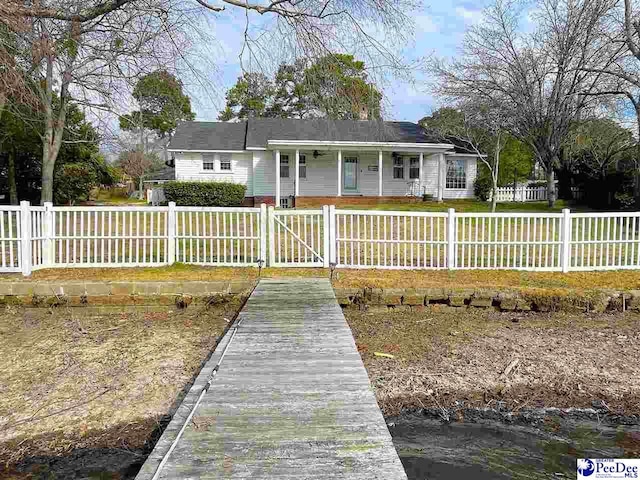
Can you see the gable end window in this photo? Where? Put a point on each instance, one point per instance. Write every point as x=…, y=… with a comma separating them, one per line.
x=225, y=162
x=284, y=166
x=303, y=167
x=398, y=168
x=456, y=175
x=208, y=162
x=414, y=168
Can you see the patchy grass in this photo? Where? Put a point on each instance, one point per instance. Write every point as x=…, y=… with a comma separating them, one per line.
x=444, y=355
x=71, y=381
x=434, y=206
x=467, y=206
x=625, y=280
x=345, y=278
x=117, y=197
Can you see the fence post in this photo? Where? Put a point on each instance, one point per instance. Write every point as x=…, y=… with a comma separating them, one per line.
x=451, y=239
x=566, y=239
x=272, y=235
x=263, y=234
x=48, y=252
x=333, y=257
x=25, y=238
x=171, y=233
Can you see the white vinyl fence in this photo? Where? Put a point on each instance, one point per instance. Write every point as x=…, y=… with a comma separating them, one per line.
x=34, y=237
x=521, y=193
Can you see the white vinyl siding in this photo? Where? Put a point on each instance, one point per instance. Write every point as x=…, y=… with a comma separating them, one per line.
x=256, y=169
x=190, y=167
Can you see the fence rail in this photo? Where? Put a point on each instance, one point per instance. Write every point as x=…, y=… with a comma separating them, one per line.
x=34, y=237
x=521, y=193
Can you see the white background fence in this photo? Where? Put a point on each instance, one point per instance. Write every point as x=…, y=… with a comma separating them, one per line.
x=33, y=237
x=521, y=193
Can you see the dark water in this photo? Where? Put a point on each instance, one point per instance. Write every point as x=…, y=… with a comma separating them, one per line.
x=431, y=449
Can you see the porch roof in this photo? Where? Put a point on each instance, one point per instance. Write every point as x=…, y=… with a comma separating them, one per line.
x=360, y=146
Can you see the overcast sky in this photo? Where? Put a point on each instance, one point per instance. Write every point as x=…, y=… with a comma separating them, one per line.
x=439, y=29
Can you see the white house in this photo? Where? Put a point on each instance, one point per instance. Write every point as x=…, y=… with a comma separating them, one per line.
x=292, y=161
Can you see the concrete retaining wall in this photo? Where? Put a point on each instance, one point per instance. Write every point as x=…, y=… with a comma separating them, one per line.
x=117, y=293
x=538, y=300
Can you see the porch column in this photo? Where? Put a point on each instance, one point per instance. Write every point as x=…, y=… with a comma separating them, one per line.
x=421, y=175
x=277, y=178
x=339, y=173
x=297, y=177
x=441, y=176
x=379, y=173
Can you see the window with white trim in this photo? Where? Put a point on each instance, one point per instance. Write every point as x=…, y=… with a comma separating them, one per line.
x=303, y=166
x=208, y=161
x=284, y=166
x=398, y=168
x=456, y=175
x=414, y=168
x=225, y=162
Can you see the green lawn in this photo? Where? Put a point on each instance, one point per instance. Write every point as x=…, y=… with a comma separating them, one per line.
x=468, y=206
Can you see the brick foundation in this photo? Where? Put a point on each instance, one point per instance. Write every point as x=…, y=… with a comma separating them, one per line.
x=266, y=200
x=310, y=202
x=315, y=202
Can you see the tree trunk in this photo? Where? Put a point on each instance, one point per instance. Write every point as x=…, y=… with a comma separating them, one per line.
x=13, y=189
x=141, y=186
x=636, y=183
x=494, y=195
x=48, y=166
x=551, y=187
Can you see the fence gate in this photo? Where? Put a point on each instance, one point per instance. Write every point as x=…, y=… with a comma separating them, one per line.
x=299, y=238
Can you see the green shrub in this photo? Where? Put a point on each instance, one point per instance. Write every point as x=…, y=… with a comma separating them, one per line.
x=482, y=188
x=74, y=182
x=205, y=194
x=427, y=197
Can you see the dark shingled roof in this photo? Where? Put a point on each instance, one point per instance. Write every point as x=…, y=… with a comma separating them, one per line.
x=209, y=136
x=255, y=133
x=167, y=173
x=260, y=130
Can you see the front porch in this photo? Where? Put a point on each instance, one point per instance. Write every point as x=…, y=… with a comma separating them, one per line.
x=403, y=171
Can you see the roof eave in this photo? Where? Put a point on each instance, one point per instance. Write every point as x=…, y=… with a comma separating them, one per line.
x=373, y=146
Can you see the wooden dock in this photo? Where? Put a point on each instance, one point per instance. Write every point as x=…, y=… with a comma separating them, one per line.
x=291, y=399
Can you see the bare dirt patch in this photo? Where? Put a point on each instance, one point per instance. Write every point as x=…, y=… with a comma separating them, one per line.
x=75, y=387
x=445, y=355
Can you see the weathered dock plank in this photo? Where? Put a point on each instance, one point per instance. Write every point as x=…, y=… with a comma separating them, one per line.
x=291, y=399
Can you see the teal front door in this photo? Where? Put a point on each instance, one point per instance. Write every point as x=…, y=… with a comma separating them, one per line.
x=350, y=174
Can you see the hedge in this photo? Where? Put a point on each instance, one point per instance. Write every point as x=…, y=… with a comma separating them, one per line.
x=205, y=194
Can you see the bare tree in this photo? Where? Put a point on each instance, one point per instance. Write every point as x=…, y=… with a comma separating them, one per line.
x=622, y=69
x=539, y=80
x=596, y=145
x=135, y=163
x=87, y=51
x=476, y=129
